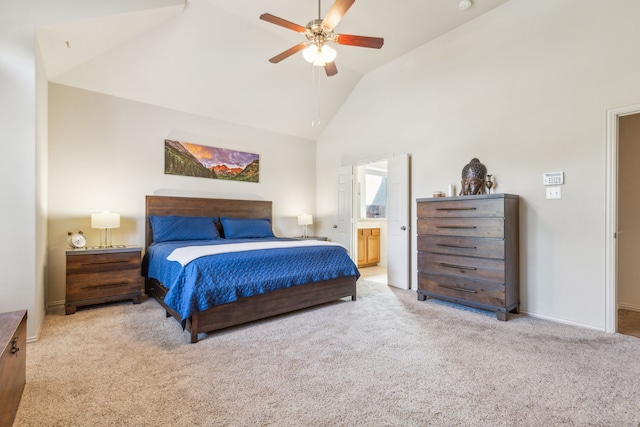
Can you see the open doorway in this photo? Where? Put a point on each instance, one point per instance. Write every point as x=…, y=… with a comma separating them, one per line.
x=370, y=212
x=394, y=232
x=398, y=215
x=628, y=226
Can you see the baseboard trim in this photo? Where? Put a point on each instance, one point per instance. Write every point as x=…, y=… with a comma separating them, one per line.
x=563, y=321
x=52, y=304
x=630, y=307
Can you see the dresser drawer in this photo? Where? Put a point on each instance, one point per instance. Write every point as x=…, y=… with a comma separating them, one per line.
x=466, y=246
x=476, y=227
x=467, y=267
x=462, y=208
x=107, y=262
x=480, y=292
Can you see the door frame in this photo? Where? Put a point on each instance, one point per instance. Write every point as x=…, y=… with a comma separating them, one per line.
x=611, y=216
x=354, y=213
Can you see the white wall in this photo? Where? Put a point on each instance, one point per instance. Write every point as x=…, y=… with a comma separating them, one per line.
x=628, y=212
x=19, y=288
x=107, y=153
x=525, y=89
x=23, y=164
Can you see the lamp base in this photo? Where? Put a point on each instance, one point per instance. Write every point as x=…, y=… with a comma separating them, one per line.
x=105, y=238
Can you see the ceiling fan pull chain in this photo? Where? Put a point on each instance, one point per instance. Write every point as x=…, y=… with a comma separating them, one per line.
x=315, y=96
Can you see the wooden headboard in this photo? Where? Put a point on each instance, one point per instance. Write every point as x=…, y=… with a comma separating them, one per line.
x=194, y=206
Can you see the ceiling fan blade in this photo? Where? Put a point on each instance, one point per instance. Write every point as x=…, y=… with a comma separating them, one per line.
x=287, y=53
x=362, y=41
x=282, y=22
x=330, y=68
x=335, y=14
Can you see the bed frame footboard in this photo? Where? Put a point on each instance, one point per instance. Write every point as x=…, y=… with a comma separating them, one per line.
x=260, y=306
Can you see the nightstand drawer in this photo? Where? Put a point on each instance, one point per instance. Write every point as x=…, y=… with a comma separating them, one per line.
x=477, y=227
x=88, y=286
x=107, y=262
x=491, y=270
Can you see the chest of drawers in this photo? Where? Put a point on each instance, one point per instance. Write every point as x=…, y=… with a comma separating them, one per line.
x=13, y=356
x=96, y=276
x=468, y=251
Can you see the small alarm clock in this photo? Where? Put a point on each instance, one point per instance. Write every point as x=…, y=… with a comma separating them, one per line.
x=77, y=239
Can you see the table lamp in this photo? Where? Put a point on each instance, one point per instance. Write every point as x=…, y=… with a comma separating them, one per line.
x=106, y=221
x=304, y=220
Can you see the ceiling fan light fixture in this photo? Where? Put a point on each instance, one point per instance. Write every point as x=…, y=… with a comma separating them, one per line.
x=319, y=55
x=319, y=32
x=310, y=53
x=328, y=53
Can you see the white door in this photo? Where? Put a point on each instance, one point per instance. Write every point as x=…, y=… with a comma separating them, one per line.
x=398, y=222
x=342, y=228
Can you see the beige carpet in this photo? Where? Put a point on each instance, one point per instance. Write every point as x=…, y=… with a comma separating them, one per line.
x=384, y=360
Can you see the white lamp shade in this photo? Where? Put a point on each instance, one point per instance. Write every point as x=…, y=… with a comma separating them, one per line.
x=319, y=55
x=305, y=219
x=310, y=52
x=105, y=220
x=328, y=53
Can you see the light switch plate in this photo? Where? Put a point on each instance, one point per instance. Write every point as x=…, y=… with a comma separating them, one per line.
x=554, y=193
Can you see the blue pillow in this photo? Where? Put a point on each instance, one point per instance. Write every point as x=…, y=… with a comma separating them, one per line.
x=235, y=228
x=170, y=228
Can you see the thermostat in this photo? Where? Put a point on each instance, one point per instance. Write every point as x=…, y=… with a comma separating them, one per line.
x=553, y=178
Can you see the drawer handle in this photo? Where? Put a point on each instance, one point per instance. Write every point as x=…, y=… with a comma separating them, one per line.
x=460, y=227
x=105, y=262
x=464, y=267
x=455, y=209
x=14, y=347
x=106, y=285
x=457, y=246
x=455, y=288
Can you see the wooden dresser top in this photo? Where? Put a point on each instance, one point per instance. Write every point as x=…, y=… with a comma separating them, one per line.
x=8, y=324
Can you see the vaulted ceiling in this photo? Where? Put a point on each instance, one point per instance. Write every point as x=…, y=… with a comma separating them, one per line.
x=210, y=57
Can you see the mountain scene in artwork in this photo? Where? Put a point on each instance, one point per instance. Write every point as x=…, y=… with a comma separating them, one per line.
x=179, y=161
x=250, y=173
x=210, y=162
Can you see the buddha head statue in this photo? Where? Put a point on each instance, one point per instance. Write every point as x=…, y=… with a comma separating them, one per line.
x=473, y=175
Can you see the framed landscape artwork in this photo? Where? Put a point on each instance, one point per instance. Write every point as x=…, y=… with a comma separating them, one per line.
x=187, y=159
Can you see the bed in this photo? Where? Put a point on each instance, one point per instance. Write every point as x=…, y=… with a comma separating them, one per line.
x=277, y=295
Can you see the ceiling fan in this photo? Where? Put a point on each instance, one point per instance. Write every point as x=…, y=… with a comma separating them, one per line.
x=319, y=33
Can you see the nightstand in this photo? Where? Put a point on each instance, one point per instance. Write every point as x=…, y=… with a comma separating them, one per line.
x=98, y=275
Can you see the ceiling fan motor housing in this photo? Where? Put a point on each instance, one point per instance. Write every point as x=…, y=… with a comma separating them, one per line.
x=316, y=33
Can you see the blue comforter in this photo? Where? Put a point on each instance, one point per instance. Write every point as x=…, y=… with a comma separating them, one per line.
x=219, y=279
